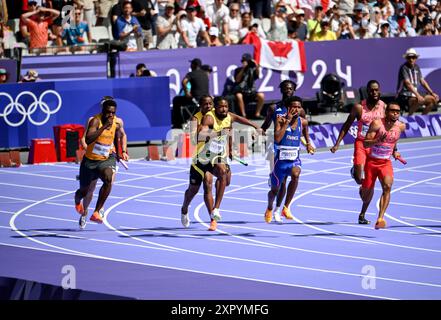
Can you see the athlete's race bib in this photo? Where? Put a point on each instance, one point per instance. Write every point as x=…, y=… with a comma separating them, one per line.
x=364, y=130
x=381, y=152
x=288, y=154
x=102, y=149
x=217, y=146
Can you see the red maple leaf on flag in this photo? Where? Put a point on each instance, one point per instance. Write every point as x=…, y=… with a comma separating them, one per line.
x=280, y=49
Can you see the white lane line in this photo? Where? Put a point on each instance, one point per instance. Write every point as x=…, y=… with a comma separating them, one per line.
x=333, y=209
x=433, y=183
x=8, y=212
x=50, y=218
x=135, y=187
x=158, y=202
x=414, y=205
x=363, y=227
x=421, y=219
x=404, y=222
x=32, y=187
x=244, y=199
x=18, y=199
x=336, y=197
x=198, y=237
x=146, y=215
x=41, y=175
x=424, y=171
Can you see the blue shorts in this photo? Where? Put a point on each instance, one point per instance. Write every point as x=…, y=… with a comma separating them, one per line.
x=282, y=169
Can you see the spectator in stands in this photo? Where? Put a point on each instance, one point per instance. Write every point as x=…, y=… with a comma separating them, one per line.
x=214, y=37
x=410, y=79
x=74, y=33
x=363, y=31
x=102, y=9
x=247, y=22
x=199, y=86
x=231, y=25
x=166, y=29
x=57, y=5
x=302, y=29
x=357, y=18
x=191, y=28
x=217, y=12
x=88, y=8
x=345, y=30
x=115, y=12
x=429, y=28
x=384, y=30
x=387, y=9
x=400, y=25
x=30, y=76
x=374, y=25
x=24, y=32
x=244, y=89
x=279, y=28
x=325, y=33
x=261, y=8
x=314, y=24
x=144, y=10
x=3, y=76
x=38, y=30
x=128, y=28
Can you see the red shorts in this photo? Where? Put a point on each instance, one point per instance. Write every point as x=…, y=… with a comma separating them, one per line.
x=360, y=152
x=376, y=168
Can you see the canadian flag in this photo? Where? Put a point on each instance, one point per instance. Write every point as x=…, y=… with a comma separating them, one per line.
x=278, y=55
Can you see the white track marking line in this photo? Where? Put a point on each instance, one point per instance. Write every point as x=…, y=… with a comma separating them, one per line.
x=421, y=219
x=333, y=209
x=404, y=222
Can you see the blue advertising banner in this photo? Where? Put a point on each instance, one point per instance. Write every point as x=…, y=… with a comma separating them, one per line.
x=10, y=66
x=354, y=61
x=30, y=110
x=67, y=67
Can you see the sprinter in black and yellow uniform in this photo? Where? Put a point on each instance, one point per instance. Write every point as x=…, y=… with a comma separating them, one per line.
x=215, y=133
x=206, y=104
x=99, y=160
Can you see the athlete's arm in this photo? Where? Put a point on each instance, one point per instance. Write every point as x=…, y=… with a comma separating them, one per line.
x=355, y=114
x=281, y=126
x=122, y=133
x=371, y=136
x=305, y=132
x=194, y=130
x=396, y=154
x=269, y=117
x=204, y=131
x=93, y=132
x=83, y=138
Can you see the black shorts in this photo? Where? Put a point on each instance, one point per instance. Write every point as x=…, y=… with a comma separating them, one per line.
x=198, y=170
x=90, y=169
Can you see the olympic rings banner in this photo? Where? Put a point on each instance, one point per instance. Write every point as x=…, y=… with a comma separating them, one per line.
x=416, y=126
x=31, y=110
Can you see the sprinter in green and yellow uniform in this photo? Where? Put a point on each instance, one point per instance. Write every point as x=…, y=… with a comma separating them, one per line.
x=215, y=132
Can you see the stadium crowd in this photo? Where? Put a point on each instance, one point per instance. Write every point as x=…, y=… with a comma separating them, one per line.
x=168, y=24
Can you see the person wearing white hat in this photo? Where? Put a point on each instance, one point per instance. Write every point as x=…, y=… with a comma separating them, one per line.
x=214, y=37
x=409, y=79
x=166, y=28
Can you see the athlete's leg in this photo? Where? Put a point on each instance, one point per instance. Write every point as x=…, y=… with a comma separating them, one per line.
x=220, y=171
x=292, y=187
x=386, y=184
x=208, y=192
x=106, y=176
x=89, y=196
x=367, y=189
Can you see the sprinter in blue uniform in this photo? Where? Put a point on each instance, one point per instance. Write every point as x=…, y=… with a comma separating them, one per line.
x=287, y=135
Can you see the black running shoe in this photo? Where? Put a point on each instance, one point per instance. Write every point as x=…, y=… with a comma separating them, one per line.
x=363, y=221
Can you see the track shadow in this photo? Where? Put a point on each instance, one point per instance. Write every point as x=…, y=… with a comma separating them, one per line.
x=45, y=236
x=194, y=236
x=331, y=234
